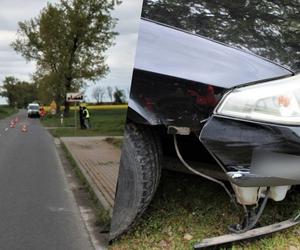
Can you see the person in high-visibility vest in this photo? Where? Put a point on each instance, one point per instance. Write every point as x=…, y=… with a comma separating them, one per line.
x=81, y=118
x=86, y=116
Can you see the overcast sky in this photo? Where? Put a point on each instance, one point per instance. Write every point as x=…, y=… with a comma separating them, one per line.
x=120, y=58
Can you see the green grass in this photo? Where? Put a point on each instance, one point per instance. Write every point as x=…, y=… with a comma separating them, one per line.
x=186, y=204
x=104, y=122
x=6, y=111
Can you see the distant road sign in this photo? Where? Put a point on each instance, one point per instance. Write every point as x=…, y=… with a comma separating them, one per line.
x=74, y=97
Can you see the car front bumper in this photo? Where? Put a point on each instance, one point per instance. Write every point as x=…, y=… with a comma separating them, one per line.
x=33, y=113
x=255, y=154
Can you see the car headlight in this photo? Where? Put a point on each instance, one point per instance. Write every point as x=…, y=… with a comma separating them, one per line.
x=275, y=101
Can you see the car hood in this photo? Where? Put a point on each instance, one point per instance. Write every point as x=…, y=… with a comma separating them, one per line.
x=168, y=51
x=267, y=28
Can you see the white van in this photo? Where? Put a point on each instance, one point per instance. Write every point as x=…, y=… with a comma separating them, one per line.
x=33, y=110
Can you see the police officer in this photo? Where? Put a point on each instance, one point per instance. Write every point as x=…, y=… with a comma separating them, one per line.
x=86, y=116
x=81, y=119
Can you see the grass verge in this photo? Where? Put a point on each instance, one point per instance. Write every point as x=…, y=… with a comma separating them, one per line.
x=108, y=122
x=189, y=205
x=102, y=215
x=6, y=111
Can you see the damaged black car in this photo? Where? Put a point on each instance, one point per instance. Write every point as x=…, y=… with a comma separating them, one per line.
x=215, y=92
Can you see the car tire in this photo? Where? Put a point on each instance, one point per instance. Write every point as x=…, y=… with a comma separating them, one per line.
x=139, y=174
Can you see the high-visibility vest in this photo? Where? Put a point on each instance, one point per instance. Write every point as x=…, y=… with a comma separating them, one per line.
x=87, y=113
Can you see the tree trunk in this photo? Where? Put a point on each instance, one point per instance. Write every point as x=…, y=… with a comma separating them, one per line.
x=67, y=108
x=67, y=104
x=57, y=109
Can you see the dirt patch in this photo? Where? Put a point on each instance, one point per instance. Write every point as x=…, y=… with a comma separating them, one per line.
x=117, y=142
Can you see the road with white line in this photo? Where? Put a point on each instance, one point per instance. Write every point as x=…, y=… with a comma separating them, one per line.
x=37, y=208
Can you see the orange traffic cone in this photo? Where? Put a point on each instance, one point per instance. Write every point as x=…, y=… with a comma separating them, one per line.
x=12, y=124
x=24, y=128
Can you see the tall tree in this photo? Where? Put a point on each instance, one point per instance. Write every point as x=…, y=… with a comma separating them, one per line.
x=98, y=94
x=119, y=96
x=8, y=89
x=110, y=93
x=50, y=88
x=18, y=93
x=68, y=41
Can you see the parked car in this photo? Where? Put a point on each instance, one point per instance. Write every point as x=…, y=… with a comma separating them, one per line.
x=222, y=98
x=33, y=110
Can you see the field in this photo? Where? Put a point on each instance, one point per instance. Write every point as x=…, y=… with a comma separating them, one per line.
x=96, y=107
x=187, y=206
x=6, y=111
x=104, y=121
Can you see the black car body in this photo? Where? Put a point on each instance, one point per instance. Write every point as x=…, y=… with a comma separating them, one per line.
x=192, y=58
x=180, y=78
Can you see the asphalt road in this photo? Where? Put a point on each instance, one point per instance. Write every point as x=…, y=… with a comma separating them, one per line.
x=37, y=208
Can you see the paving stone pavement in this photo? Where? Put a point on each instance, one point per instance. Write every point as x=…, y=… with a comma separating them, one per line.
x=99, y=163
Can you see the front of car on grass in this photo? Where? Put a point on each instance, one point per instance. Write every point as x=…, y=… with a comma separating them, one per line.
x=227, y=102
x=201, y=209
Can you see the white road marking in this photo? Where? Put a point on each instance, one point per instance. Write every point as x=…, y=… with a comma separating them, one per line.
x=5, y=129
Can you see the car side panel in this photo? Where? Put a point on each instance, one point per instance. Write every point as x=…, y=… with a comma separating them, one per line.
x=171, y=101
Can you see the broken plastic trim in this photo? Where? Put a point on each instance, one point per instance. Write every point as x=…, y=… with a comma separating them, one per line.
x=240, y=232
x=257, y=232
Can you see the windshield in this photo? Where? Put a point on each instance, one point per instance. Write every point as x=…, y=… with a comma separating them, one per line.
x=33, y=107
